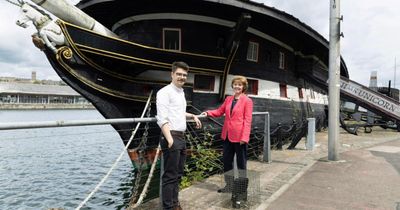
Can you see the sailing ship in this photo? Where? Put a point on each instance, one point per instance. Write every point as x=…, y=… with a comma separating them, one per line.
x=278, y=53
x=115, y=53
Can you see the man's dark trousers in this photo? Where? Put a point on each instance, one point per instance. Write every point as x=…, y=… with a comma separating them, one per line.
x=174, y=162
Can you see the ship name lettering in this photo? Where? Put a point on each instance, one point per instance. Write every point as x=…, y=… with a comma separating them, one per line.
x=361, y=93
x=369, y=97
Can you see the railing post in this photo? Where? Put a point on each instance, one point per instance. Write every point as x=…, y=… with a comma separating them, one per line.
x=310, y=134
x=267, y=140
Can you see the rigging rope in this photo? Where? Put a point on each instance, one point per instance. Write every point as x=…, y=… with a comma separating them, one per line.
x=118, y=159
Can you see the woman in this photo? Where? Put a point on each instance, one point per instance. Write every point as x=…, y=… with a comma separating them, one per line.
x=235, y=132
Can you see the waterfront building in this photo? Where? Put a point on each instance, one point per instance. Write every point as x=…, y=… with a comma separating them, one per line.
x=32, y=80
x=34, y=96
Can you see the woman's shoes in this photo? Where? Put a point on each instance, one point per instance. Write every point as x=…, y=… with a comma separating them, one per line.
x=228, y=186
x=177, y=206
x=226, y=189
x=239, y=192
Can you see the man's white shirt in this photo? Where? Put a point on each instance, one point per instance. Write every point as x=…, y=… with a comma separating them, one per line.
x=171, y=107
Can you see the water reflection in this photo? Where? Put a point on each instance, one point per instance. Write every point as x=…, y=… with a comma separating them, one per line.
x=59, y=167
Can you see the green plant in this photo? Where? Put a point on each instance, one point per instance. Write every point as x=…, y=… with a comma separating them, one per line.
x=203, y=160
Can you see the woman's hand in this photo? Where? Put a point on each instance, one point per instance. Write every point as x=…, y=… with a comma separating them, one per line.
x=204, y=114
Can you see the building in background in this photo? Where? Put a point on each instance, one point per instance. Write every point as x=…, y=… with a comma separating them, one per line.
x=33, y=80
x=18, y=93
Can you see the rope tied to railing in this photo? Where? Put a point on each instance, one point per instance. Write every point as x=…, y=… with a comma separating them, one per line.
x=118, y=159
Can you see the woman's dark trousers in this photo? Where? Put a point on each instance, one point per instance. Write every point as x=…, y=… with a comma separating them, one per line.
x=229, y=151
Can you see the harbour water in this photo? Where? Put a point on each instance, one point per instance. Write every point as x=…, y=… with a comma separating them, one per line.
x=59, y=167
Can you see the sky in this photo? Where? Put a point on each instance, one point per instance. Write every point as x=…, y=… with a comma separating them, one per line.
x=371, y=38
x=371, y=34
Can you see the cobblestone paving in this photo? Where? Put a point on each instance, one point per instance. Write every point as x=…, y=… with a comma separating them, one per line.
x=286, y=167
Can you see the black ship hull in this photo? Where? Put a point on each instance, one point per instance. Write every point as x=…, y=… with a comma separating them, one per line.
x=274, y=50
x=107, y=71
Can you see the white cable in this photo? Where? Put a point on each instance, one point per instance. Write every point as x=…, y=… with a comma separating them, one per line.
x=116, y=162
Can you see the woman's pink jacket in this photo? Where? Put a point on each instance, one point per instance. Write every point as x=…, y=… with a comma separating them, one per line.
x=238, y=124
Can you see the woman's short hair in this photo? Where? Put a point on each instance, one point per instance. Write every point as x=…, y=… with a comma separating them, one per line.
x=242, y=80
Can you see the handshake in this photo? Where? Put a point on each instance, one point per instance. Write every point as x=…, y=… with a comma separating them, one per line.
x=204, y=114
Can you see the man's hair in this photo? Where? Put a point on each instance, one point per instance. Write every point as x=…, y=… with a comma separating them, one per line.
x=179, y=64
x=242, y=80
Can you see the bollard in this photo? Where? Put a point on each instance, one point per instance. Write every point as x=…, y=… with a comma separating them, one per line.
x=310, y=134
x=267, y=140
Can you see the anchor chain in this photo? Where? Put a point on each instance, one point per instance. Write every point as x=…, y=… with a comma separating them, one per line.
x=140, y=149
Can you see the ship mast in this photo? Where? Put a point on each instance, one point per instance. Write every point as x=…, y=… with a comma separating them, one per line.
x=71, y=14
x=394, y=79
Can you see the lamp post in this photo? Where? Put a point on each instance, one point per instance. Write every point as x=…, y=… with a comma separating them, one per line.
x=334, y=76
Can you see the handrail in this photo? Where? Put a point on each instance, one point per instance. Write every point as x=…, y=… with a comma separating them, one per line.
x=69, y=123
x=62, y=123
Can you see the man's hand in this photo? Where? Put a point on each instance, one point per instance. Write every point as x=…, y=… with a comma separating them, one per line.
x=197, y=121
x=170, y=143
x=167, y=134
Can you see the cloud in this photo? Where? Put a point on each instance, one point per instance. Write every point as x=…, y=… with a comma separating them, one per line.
x=370, y=28
x=18, y=56
x=372, y=40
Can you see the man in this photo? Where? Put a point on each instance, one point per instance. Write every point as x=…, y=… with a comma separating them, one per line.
x=171, y=117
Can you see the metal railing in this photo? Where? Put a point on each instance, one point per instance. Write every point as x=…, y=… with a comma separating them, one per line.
x=70, y=123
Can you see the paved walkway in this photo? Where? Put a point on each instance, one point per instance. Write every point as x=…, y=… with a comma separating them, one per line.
x=366, y=178
x=301, y=179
